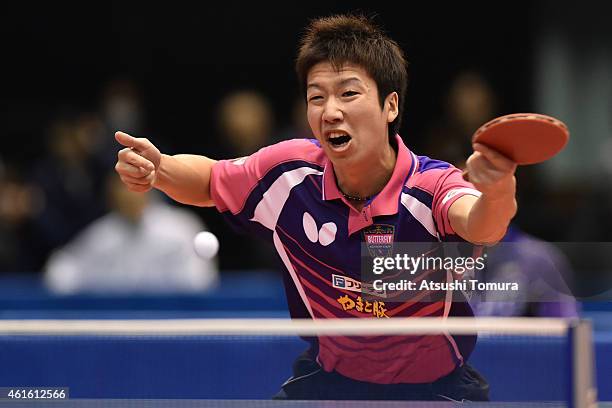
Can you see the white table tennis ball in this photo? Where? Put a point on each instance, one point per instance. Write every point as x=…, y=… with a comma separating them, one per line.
x=206, y=244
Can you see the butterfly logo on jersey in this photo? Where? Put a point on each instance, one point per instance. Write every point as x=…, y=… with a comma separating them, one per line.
x=379, y=240
x=324, y=236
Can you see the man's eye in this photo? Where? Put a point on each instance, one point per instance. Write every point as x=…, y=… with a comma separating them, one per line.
x=315, y=98
x=350, y=93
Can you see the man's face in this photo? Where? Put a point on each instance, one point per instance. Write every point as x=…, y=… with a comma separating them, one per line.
x=345, y=115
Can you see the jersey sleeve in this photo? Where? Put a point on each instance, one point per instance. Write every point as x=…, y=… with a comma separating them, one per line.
x=237, y=186
x=232, y=182
x=449, y=187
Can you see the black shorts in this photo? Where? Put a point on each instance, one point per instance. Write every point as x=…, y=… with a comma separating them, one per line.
x=311, y=382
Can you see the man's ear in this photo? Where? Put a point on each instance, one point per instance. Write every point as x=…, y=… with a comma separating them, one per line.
x=391, y=103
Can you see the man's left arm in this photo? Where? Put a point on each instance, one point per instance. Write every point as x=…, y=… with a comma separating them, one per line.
x=485, y=219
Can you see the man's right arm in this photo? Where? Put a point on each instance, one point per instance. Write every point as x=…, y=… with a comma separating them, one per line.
x=185, y=178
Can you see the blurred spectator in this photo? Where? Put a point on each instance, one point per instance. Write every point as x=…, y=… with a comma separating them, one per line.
x=593, y=220
x=246, y=123
x=79, y=154
x=470, y=103
x=121, y=108
x=299, y=127
x=19, y=202
x=143, y=245
x=70, y=179
x=591, y=225
x=543, y=275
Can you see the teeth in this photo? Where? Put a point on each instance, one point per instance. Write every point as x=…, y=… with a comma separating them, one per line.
x=332, y=135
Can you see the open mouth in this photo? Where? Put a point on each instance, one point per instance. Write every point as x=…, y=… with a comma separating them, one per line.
x=338, y=139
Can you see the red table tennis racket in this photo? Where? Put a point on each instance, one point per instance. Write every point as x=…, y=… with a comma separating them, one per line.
x=525, y=138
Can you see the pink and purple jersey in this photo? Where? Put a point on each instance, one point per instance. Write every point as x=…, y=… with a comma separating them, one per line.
x=286, y=193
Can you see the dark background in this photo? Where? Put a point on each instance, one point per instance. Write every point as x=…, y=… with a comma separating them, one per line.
x=185, y=57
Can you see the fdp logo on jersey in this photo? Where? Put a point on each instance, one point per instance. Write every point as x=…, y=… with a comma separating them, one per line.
x=342, y=282
x=379, y=240
x=346, y=283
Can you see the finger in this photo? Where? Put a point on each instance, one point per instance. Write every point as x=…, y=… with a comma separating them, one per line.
x=137, y=188
x=476, y=161
x=481, y=170
x=495, y=158
x=135, y=180
x=128, y=169
x=137, y=143
x=132, y=157
x=483, y=164
x=148, y=180
x=486, y=175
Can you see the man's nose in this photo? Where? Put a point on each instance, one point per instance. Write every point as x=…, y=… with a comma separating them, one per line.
x=332, y=111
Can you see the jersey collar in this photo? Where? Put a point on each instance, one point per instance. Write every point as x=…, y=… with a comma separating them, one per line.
x=387, y=201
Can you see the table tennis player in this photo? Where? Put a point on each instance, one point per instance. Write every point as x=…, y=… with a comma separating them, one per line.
x=316, y=199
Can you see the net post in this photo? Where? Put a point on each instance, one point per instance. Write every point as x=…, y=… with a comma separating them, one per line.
x=582, y=390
